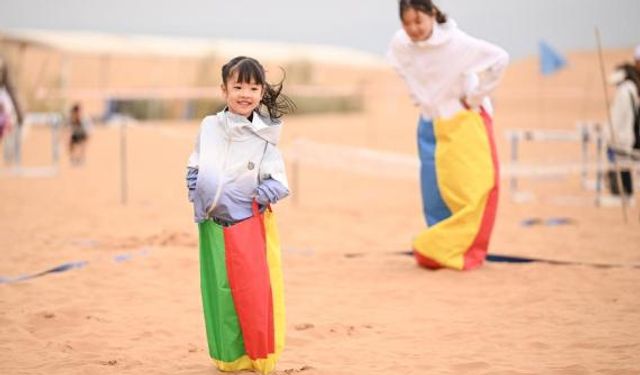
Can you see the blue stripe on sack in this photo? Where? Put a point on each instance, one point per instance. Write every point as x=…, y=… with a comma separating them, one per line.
x=433, y=206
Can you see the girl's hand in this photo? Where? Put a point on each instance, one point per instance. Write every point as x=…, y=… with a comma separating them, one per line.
x=470, y=82
x=270, y=191
x=263, y=197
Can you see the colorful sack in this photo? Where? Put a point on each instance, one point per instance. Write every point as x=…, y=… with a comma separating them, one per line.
x=242, y=292
x=459, y=177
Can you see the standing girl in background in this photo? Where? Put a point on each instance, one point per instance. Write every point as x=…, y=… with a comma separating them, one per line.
x=450, y=75
x=234, y=174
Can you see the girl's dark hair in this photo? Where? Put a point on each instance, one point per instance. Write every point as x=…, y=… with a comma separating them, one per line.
x=425, y=6
x=250, y=70
x=630, y=74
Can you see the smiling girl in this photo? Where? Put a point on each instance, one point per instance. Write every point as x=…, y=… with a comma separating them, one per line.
x=234, y=174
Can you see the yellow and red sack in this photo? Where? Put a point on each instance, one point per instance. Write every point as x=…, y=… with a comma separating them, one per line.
x=459, y=181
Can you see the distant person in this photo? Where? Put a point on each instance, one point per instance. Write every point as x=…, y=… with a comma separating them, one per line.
x=78, y=135
x=625, y=118
x=5, y=121
x=450, y=76
x=12, y=110
x=636, y=56
x=234, y=174
x=5, y=124
x=6, y=84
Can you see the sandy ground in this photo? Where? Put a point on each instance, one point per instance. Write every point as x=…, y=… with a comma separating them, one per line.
x=355, y=305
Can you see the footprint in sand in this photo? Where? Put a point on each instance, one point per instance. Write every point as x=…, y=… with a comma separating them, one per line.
x=294, y=370
x=194, y=349
x=303, y=326
x=97, y=319
x=349, y=330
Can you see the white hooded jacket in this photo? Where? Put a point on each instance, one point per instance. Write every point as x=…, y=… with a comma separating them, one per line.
x=446, y=67
x=233, y=156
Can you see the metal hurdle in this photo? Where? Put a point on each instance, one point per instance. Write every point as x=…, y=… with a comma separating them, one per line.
x=355, y=160
x=51, y=119
x=588, y=133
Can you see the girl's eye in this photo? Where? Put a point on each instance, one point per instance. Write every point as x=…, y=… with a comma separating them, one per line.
x=237, y=87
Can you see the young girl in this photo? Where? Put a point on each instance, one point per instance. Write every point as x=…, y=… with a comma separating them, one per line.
x=449, y=75
x=234, y=174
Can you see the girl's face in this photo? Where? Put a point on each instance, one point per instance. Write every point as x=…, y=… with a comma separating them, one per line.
x=241, y=97
x=418, y=25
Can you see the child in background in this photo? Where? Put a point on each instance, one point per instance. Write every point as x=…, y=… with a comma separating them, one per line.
x=6, y=126
x=5, y=121
x=234, y=174
x=450, y=75
x=78, y=135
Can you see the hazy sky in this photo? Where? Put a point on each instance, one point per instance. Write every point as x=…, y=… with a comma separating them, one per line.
x=517, y=25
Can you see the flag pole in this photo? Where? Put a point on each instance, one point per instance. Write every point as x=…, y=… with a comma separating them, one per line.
x=612, y=132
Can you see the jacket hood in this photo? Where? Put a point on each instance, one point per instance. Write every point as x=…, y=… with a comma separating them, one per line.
x=260, y=125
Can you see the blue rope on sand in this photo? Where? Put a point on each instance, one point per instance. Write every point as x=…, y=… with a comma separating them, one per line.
x=500, y=258
x=61, y=268
x=120, y=258
x=515, y=259
x=508, y=259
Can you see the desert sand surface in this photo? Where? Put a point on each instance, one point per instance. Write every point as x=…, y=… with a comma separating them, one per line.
x=355, y=304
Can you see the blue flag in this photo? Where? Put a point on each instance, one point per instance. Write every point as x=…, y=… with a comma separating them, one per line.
x=550, y=59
